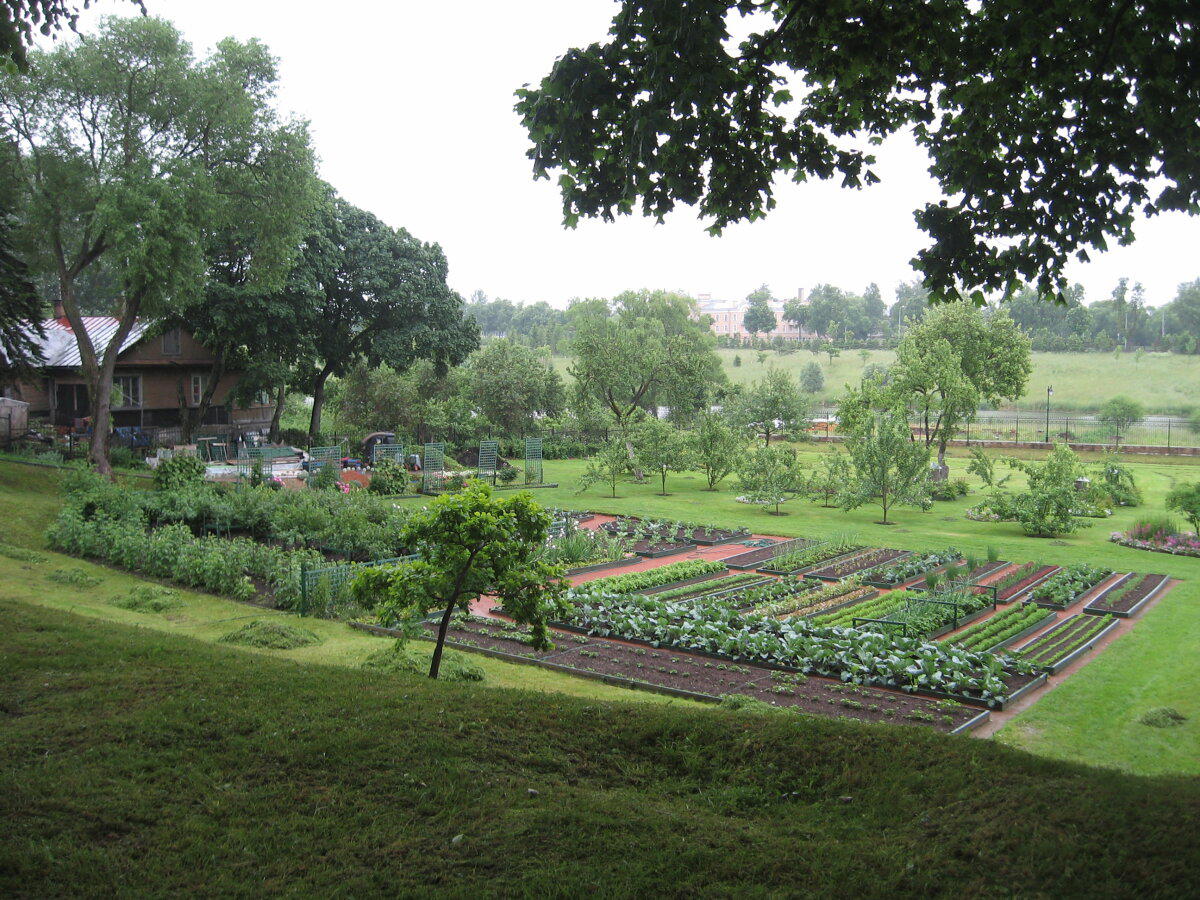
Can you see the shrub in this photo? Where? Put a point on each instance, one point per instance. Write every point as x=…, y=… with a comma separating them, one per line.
x=1185, y=499
x=74, y=578
x=148, y=598
x=323, y=478
x=271, y=636
x=388, y=477
x=179, y=471
x=398, y=658
x=507, y=475
x=125, y=458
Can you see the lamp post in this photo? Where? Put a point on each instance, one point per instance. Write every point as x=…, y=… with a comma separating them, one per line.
x=1049, y=394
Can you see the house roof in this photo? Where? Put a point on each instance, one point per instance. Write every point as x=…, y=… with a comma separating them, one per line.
x=61, y=350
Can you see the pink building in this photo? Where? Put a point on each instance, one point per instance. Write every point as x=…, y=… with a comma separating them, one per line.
x=727, y=319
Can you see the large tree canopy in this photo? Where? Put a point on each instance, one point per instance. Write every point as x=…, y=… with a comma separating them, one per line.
x=1049, y=126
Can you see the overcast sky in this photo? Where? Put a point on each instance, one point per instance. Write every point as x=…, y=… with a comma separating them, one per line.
x=411, y=111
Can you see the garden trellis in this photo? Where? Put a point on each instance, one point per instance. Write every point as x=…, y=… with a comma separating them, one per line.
x=433, y=468
x=320, y=585
x=489, y=452
x=394, y=452
x=533, y=460
x=319, y=457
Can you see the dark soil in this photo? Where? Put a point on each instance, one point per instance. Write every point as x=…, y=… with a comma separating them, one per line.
x=867, y=560
x=1014, y=589
x=488, y=634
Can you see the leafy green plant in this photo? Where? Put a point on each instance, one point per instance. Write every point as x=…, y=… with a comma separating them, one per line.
x=388, y=477
x=178, y=472
x=148, y=598
x=271, y=636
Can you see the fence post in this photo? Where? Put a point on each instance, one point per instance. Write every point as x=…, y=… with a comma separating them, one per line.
x=303, y=588
x=1168, y=433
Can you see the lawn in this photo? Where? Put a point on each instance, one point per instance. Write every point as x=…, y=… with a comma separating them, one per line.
x=1092, y=716
x=1162, y=382
x=138, y=762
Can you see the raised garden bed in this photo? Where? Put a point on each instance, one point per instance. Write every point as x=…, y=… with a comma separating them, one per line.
x=760, y=556
x=657, y=549
x=832, y=556
x=1035, y=575
x=1068, y=586
x=604, y=566
x=998, y=631
x=672, y=585
x=859, y=562
x=711, y=537
x=718, y=586
x=910, y=569
x=1067, y=641
x=1127, y=596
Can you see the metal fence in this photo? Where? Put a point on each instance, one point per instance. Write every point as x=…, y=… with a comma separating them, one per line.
x=321, y=586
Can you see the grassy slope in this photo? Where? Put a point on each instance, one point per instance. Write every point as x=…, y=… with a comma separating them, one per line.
x=138, y=762
x=1162, y=382
x=1092, y=716
x=28, y=501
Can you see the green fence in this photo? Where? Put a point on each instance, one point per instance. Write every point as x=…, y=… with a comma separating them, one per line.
x=323, y=585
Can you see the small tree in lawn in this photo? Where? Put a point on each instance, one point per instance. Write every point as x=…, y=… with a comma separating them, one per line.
x=889, y=467
x=608, y=464
x=812, y=379
x=1185, y=499
x=716, y=446
x=1045, y=507
x=470, y=543
x=830, y=479
x=770, y=476
x=661, y=448
x=771, y=405
x=1118, y=414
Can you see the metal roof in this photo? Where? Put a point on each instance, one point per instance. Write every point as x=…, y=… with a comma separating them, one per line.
x=60, y=348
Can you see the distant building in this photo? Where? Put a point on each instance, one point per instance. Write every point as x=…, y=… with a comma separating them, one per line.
x=727, y=319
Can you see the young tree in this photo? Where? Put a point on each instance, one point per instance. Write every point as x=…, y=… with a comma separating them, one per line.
x=1185, y=499
x=830, y=479
x=770, y=476
x=513, y=386
x=470, y=543
x=716, y=446
x=129, y=152
x=889, y=467
x=1080, y=131
x=608, y=464
x=1119, y=413
x=771, y=405
x=954, y=359
x=1044, y=509
x=662, y=448
x=812, y=379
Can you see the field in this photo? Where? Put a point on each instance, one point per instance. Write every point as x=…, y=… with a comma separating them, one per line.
x=1162, y=382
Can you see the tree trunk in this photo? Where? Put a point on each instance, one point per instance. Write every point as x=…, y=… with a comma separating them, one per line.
x=314, y=423
x=280, y=400
x=100, y=390
x=191, y=419
x=436, y=661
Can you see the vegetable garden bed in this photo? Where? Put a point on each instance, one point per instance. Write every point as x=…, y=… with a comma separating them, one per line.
x=1007, y=627
x=752, y=559
x=860, y=562
x=1009, y=587
x=911, y=568
x=1067, y=641
x=670, y=575
x=1068, y=586
x=1128, y=596
x=603, y=566
x=800, y=562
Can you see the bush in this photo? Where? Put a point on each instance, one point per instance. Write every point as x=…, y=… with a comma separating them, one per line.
x=949, y=490
x=125, y=458
x=324, y=477
x=388, y=477
x=271, y=636
x=398, y=658
x=148, y=598
x=178, y=472
x=507, y=475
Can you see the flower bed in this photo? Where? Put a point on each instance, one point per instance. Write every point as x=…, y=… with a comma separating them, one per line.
x=859, y=563
x=910, y=567
x=1066, y=642
x=1004, y=628
x=1185, y=544
x=1063, y=589
x=1127, y=597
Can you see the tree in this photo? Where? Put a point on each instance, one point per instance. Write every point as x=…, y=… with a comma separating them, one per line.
x=812, y=379
x=770, y=476
x=374, y=293
x=662, y=448
x=1045, y=508
x=512, y=386
x=1021, y=124
x=771, y=404
x=889, y=467
x=129, y=152
x=830, y=479
x=608, y=464
x=470, y=543
x=716, y=446
x=759, y=316
x=953, y=360
x=1119, y=413
x=1185, y=499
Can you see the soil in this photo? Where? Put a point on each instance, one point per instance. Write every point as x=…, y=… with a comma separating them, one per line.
x=750, y=557
x=1131, y=597
x=1014, y=589
x=490, y=635
x=715, y=678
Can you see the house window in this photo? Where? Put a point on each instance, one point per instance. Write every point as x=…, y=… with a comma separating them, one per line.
x=171, y=343
x=127, y=392
x=199, y=384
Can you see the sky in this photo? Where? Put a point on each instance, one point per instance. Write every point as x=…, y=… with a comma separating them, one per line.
x=410, y=106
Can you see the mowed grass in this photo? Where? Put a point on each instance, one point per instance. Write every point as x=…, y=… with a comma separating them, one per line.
x=1092, y=715
x=1161, y=382
x=136, y=762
